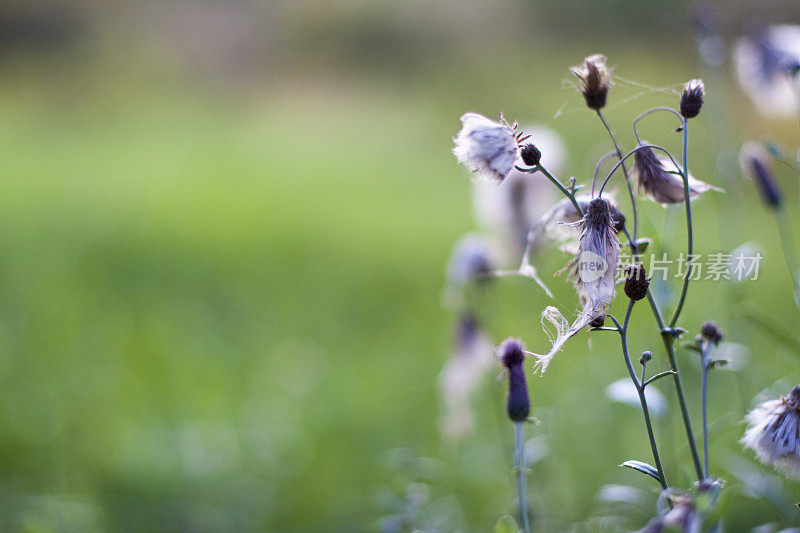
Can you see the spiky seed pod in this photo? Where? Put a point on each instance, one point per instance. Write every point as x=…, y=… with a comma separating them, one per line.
x=512, y=354
x=636, y=282
x=773, y=433
x=692, y=98
x=595, y=80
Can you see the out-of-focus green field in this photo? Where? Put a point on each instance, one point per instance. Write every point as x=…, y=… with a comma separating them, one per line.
x=221, y=309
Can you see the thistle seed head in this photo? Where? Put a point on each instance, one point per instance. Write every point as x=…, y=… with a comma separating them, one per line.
x=692, y=98
x=595, y=80
x=773, y=433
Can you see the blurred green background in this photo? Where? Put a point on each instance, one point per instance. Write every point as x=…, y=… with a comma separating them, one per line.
x=224, y=228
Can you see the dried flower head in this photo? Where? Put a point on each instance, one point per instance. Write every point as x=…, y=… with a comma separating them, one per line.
x=662, y=180
x=486, y=147
x=711, y=332
x=773, y=433
x=595, y=266
x=512, y=354
x=636, y=282
x=755, y=163
x=595, y=80
x=692, y=98
x=559, y=224
x=592, y=271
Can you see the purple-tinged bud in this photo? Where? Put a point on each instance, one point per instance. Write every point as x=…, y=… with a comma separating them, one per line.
x=711, y=332
x=598, y=322
x=530, y=155
x=755, y=163
x=692, y=98
x=595, y=81
x=512, y=354
x=646, y=356
x=636, y=282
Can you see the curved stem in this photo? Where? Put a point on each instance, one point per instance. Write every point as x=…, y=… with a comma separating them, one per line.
x=597, y=168
x=640, y=147
x=650, y=111
x=623, y=331
x=556, y=182
x=625, y=173
x=519, y=464
x=689, y=233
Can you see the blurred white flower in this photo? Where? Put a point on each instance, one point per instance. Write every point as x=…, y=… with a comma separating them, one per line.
x=623, y=391
x=510, y=211
x=474, y=257
x=473, y=356
x=486, y=147
x=761, y=64
x=773, y=433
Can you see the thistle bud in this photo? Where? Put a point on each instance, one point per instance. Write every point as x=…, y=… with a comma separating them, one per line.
x=598, y=322
x=755, y=163
x=692, y=98
x=530, y=155
x=711, y=332
x=594, y=79
x=518, y=405
x=636, y=282
x=646, y=356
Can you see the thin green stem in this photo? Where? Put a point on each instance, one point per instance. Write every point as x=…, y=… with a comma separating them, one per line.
x=625, y=173
x=668, y=339
x=519, y=464
x=704, y=402
x=556, y=182
x=789, y=250
x=623, y=332
x=689, y=233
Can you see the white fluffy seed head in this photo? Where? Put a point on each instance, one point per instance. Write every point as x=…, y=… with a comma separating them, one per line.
x=487, y=148
x=773, y=433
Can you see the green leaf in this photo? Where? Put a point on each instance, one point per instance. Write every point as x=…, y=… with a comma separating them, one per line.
x=643, y=467
x=506, y=524
x=769, y=325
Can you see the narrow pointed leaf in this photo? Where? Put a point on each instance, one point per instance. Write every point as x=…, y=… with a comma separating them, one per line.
x=643, y=467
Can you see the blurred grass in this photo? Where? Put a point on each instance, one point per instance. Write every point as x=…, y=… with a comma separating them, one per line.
x=219, y=310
